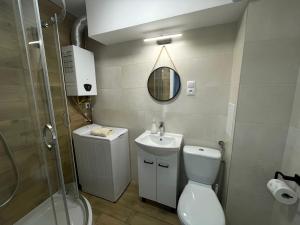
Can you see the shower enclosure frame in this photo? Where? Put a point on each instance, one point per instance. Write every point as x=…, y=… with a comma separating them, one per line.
x=55, y=145
x=67, y=114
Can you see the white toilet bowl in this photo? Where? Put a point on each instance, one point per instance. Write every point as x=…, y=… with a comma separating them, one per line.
x=198, y=203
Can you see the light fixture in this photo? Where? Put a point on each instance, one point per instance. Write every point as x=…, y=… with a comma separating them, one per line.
x=163, y=38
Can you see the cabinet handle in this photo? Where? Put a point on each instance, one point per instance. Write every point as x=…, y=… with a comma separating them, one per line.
x=145, y=161
x=121, y=135
x=164, y=166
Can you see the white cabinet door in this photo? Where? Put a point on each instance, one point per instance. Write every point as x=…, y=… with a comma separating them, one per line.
x=167, y=172
x=147, y=175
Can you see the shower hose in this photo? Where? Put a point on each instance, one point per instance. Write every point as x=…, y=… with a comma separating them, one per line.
x=16, y=171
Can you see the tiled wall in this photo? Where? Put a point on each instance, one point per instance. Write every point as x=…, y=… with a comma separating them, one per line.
x=268, y=79
x=282, y=214
x=203, y=55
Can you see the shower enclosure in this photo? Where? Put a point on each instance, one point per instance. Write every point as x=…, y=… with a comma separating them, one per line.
x=37, y=174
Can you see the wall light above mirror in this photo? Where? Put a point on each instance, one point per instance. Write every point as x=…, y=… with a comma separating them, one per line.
x=163, y=37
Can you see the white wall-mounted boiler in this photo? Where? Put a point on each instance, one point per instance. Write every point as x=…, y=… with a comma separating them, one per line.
x=79, y=70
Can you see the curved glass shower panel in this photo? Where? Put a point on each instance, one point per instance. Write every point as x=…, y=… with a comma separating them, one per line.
x=27, y=121
x=21, y=145
x=38, y=182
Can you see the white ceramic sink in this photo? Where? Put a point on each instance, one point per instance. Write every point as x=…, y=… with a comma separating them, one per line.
x=159, y=145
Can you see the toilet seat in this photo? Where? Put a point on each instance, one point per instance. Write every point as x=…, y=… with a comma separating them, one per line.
x=199, y=205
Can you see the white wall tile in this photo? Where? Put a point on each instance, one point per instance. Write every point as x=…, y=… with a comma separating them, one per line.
x=109, y=77
x=257, y=154
x=295, y=118
x=273, y=19
x=271, y=62
x=265, y=104
x=211, y=70
x=133, y=99
x=108, y=99
x=290, y=163
x=135, y=75
x=290, y=215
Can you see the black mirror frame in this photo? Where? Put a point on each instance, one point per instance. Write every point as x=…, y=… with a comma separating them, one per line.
x=179, y=89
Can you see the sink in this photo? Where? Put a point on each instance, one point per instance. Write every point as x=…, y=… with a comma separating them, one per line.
x=159, y=145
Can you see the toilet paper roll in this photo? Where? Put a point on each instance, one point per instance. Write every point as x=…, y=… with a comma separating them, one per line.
x=282, y=192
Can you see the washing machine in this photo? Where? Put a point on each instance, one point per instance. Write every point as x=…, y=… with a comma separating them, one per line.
x=103, y=163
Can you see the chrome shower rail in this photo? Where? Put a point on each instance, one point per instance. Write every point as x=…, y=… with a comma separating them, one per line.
x=17, y=174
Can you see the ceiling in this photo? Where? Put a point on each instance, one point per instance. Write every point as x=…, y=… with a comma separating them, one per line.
x=75, y=7
x=156, y=18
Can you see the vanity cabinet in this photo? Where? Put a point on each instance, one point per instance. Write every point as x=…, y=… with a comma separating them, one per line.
x=158, y=177
x=147, y=175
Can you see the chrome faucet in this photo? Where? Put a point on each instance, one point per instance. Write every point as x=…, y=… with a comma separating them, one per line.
x=161, y=128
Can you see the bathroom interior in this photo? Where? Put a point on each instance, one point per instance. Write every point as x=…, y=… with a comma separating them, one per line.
x=147, y=112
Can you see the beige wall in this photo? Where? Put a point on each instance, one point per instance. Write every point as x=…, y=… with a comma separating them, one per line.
x=255, y=71
x=203, y=55
x=268, y=77
x=238, y=51
x=290, y=215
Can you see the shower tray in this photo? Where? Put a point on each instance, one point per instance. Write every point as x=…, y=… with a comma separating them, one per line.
x=43, y=214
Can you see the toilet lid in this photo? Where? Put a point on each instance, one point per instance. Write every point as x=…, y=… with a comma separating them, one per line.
x=199, y=205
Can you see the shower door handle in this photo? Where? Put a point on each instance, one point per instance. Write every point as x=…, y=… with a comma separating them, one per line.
x=37, y=43
x=48, y=128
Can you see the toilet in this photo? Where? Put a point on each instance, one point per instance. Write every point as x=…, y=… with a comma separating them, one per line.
x=198, y=203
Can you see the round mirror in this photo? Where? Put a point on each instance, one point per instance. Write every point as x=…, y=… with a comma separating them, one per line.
x=164, y=84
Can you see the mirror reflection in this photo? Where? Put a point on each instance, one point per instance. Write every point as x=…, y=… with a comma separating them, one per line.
x=164, y=84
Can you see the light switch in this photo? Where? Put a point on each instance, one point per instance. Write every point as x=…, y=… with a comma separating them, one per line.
x=190, y=87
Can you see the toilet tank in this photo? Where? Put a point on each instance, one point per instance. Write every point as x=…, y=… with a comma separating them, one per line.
x=201, y=163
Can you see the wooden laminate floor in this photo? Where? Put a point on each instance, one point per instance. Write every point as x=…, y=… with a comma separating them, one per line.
x=130, y=210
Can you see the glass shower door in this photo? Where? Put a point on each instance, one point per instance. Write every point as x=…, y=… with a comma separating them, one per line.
x=30, y=165
x=60, y=104
x=50, y=134
x=52, y=43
